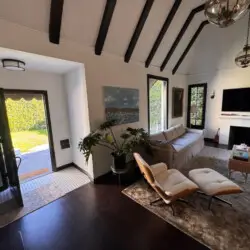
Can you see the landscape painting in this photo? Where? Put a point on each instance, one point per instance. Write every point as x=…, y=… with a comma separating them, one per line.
x=121, y=104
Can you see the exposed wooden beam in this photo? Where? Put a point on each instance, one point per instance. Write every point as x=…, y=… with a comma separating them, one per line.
x=104, y=27
x=181, y=33
x=163, y=32
x=56, y=10
x=138, y=29
x=197, y=33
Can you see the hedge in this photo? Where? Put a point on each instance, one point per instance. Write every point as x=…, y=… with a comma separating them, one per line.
x=25, y=115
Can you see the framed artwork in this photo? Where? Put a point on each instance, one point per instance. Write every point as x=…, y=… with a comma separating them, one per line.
x=177, y=102
x=121, y=104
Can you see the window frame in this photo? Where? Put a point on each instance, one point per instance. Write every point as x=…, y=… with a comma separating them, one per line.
x=202, y=126
x=166, y=104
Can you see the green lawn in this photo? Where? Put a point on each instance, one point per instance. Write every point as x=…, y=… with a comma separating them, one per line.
x=25, y=140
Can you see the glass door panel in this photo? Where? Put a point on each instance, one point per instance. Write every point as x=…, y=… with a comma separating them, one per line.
x=8, y=152
x=196, y=106
x=3, y=175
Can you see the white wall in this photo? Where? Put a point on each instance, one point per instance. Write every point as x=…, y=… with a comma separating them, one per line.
x=218, y=81
x=75, y=86
x=101, y=70
x=53, y=84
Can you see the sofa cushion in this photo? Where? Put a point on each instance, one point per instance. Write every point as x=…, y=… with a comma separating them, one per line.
x=185, y=140
x=180, y=130
x=157, y=137
x=213, y=183
x=170, y=134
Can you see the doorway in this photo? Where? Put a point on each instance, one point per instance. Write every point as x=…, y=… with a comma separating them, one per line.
x=30, y=132
x=197, y=95
x=157, y=104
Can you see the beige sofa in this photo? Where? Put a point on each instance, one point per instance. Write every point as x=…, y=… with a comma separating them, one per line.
x=177, y=145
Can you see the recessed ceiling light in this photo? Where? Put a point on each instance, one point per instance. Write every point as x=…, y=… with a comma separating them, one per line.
x=13, y=64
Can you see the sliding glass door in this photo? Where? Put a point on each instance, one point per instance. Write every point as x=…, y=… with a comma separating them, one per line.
x=8, y=166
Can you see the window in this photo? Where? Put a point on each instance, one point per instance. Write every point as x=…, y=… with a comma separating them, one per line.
x=157, y=104
x=197, y=105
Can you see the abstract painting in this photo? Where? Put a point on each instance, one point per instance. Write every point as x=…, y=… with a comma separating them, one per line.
x=121, y=104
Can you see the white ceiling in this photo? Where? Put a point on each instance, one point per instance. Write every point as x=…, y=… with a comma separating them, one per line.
x=39, y=63
x=214, y=49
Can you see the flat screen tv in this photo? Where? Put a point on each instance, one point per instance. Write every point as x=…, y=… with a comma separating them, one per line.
x=236, y=100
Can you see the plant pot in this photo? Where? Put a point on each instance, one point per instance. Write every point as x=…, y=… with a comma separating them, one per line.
x=119, y=161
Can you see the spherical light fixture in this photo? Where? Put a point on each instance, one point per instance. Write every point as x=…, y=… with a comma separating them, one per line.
x=243, y=58
x=13, y=64
x=223, y=13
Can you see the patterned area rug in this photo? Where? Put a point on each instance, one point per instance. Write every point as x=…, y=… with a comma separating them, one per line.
x=223, y=227
x=40, y=192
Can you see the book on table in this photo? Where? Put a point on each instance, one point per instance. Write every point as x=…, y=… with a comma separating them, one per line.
x=240, y=155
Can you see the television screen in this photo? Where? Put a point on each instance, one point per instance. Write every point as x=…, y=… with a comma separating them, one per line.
x=236, y=100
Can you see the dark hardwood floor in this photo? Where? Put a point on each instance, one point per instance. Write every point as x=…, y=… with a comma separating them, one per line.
x=95, y=216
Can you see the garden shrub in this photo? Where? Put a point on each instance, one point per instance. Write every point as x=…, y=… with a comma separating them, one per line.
x=25, y=115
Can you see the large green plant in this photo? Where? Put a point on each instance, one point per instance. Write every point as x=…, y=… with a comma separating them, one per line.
x=104, y=136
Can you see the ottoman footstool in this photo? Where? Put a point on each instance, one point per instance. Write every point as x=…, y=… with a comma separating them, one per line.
x=212, y=184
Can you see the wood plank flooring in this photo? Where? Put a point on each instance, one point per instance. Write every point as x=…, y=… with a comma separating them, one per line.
x=95, y=216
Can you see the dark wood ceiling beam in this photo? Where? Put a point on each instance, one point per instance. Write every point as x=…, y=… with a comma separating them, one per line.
x=163, y=31
x=138, y=29
x=56, y=10
x=195, y=36
x=104, y=27
x=181, y=33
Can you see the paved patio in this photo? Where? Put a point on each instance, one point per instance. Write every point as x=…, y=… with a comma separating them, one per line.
x=34, y=163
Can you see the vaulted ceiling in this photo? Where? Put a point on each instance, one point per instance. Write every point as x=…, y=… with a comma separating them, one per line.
x=151, y=32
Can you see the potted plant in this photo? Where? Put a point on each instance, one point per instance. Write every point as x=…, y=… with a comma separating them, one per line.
x=104, y=136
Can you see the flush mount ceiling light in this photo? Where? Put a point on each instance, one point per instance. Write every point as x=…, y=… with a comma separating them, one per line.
x=12, y=64
x=243, y=58
x=223, y=13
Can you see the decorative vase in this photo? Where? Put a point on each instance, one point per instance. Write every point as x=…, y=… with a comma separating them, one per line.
x=217, y=137
x=119, y=161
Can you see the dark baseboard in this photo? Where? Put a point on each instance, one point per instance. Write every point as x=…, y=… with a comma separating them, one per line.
x=65, y=166
x=72, y=164
x=82, y=170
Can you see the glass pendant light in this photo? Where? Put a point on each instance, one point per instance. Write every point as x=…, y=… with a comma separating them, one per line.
x=243, y=58
x=223, y=13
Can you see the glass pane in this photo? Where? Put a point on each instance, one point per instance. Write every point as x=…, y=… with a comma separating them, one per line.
x=192, y=122
x=201, y=90
x=198, y=122
x=156, y=105
x=196, y=105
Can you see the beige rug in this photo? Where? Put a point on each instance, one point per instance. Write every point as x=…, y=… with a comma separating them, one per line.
x=223, y=227
x=40, y=192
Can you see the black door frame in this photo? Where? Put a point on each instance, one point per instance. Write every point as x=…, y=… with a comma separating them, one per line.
x=160, y=78
x=3, y=171
x=48, y=120
x=202, y=126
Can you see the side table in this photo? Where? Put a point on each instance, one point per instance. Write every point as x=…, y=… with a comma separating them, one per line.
x=119, y=172
x=238, y=165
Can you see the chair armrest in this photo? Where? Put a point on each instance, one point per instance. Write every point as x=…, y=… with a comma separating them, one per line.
x=198, y=131
x=158, y=168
